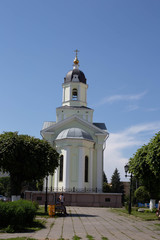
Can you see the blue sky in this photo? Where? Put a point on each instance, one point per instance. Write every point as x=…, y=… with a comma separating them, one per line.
x=119, y=43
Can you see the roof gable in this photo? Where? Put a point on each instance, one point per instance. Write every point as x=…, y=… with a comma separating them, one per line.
x=71, y=122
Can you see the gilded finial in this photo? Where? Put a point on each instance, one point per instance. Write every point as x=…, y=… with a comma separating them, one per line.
x=76, y=61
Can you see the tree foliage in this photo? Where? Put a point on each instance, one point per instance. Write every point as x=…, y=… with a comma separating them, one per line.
x=106, y=186
x=142, y=195
x=145, y=165
x=153, y=155
x=5, y=186
x=25, y=158
x=105, y=178
x=117, y=186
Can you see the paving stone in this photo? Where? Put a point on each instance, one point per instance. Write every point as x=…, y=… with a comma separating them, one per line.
x=96, y=222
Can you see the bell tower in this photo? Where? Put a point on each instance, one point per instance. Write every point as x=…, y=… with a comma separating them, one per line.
x=74, y=97
x=75, y=87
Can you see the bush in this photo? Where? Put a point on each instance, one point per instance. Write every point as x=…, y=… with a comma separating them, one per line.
x=17, y=215
x=106, y=187
x=141, y=195
x=126, y=205
x=36, y=205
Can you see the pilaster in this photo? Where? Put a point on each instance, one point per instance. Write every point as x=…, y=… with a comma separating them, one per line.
x=56, y=179
x=99, y=167
x=66, y=168
x=91, y=169
x=81, y=169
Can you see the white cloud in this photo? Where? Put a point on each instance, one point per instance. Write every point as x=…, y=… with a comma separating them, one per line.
x=115, y=98
x=132, y=107
x=152, y=109
x=122, y=145
x=122, y=97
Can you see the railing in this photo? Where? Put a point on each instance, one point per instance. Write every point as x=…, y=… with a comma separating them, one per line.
x=74, y=189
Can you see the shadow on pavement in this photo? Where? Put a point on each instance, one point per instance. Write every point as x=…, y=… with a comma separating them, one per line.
x=81, y=215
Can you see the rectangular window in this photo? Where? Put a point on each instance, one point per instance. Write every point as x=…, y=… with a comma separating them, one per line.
x=61, y=169
x=107, y=199
x=86, y=169
x=39, y=198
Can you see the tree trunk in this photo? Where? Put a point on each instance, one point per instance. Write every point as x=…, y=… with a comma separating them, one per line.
x=15, y=185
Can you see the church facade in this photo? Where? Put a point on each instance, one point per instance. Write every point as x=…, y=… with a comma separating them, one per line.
x=79, y=140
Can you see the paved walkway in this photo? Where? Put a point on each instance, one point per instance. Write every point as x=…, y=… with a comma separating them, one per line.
x=94, y=223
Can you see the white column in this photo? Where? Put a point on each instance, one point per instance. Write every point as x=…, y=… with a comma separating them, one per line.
x=79, y=94
x=70, y=93
x=81, y=168
x=66, y=168
x=56, y=179
x=91, y=169
x=63, y=97
x=99, y=168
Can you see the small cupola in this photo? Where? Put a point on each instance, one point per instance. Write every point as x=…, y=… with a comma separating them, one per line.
x=75, y=87
x=75, y=75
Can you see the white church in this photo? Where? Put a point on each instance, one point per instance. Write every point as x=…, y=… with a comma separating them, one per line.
x=79, y=141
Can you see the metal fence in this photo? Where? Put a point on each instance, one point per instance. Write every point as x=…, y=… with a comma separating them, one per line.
x=74, y=189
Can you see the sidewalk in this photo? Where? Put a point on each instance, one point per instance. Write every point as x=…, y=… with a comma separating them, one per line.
x=100, y=223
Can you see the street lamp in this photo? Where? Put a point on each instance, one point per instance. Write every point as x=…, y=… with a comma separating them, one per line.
x=46, y=201
x=126, y=168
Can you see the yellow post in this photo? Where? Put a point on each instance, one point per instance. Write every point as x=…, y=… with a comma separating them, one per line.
x=50, y=207
x=51, y=210
x=54, y=210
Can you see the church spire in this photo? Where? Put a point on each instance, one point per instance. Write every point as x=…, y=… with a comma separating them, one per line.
x=76, y=61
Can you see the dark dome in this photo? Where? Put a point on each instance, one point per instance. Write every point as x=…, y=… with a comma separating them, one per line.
x=70, y=75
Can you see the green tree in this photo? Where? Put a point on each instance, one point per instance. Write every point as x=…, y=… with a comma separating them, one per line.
x=117, y=186
x=153, y=155
x=145, y=166
x=142, y=195
x=105, y=177
x=106, y=186
x=5, y=186
x=25, y=158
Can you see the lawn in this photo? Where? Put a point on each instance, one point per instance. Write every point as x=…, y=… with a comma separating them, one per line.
x=41, y=212
x=146, y=215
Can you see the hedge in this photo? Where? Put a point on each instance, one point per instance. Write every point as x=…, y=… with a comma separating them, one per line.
x=18, y=214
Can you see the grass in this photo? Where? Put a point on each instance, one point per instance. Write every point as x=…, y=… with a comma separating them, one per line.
x=41, y=212
x=104, y=238
x=146, y=215
x=52, y=224
x=75, y=237
x=37, y=225
x=157, y=226
x=90, y=237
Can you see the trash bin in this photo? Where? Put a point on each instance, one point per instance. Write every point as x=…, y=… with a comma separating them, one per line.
x=54, y=210
x=51, y=210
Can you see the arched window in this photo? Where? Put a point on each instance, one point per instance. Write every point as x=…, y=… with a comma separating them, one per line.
x=86, y=169
x=74, y=94
x=61, y=169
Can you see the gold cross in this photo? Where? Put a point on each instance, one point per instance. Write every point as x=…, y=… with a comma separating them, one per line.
x=76, y=51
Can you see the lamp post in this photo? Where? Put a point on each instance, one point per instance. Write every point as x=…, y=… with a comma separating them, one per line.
x=126, y=168
x=46, y=201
